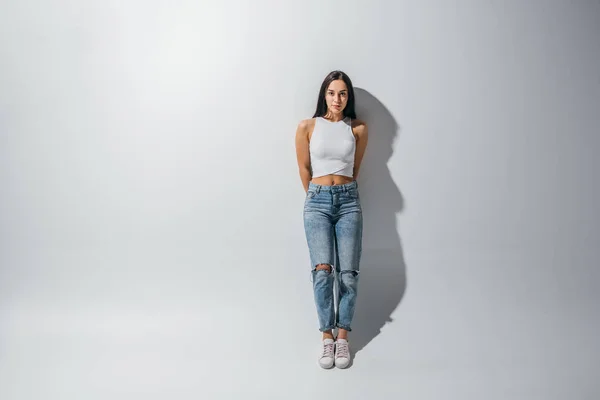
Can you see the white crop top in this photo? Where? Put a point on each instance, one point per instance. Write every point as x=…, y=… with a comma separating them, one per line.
x=332, y=148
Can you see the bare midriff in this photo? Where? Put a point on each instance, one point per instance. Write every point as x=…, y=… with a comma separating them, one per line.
x=332, y=180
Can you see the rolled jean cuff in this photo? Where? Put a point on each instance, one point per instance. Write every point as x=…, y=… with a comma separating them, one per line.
x=327, y=328
x=344, y=327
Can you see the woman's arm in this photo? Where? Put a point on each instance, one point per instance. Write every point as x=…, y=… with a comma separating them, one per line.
x=303, y=154
x=362, y=138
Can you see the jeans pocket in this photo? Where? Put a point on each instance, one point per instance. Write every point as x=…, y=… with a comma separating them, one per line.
x=310, y=194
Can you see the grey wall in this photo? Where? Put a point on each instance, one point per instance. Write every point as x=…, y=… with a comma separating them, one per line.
x=151, y=240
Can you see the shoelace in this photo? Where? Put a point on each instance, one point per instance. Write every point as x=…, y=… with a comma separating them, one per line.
x=327, y=350
x=342, y=350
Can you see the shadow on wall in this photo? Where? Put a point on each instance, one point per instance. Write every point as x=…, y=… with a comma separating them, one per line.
x=383, y=272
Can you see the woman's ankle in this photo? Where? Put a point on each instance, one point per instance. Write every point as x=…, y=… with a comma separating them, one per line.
x=342, y=334
x=328, y=335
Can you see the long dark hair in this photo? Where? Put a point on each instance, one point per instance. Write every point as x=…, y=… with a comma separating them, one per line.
x=321, y=110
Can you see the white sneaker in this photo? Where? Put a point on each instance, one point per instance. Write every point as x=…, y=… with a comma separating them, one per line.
x=342, y=353
x=327, y=353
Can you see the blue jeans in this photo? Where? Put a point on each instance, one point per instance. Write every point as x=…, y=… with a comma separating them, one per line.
x=333, y=225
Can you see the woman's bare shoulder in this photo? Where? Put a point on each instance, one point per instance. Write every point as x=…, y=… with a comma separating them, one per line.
x=307, y=123
x=358, y=123
x=306, y=127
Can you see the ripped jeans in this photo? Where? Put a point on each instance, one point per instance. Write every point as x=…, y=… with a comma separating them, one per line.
x=333, y=225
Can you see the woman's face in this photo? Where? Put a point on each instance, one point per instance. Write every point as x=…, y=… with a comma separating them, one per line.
x=336, y=96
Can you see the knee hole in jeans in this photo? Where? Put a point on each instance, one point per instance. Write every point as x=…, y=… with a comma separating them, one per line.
x=323, y=267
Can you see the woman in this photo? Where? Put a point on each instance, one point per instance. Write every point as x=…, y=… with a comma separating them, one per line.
x=329, y=148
